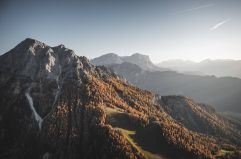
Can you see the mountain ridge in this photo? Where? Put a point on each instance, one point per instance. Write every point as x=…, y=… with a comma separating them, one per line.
x=204, y=89
x=141, y=60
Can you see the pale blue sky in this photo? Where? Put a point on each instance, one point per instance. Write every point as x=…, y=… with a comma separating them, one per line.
x=163, y=29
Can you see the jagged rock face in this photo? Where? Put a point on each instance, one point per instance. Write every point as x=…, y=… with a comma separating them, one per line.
x=141, y=60
x=55, y=105
x=107, y=59
x=43, y=70
x=44, y=99
x=37, y=61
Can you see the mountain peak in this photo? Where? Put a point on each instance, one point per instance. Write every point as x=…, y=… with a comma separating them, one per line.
x=61, y=46
x=28, y=45
x=107, y=59
x=30, y=42
x=35, y=60
x=143, y=61
x=111, y=54
x=140, y=55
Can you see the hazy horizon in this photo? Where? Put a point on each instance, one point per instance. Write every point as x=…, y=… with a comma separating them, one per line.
x=190, y=30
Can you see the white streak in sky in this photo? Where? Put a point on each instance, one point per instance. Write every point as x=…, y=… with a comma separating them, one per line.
x=216, y=26
x=196, y=8
x=200, y=7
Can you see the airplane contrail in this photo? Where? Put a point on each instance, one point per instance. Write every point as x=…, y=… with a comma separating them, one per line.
x=219, y=24
x=200, y=7
x=196, y=8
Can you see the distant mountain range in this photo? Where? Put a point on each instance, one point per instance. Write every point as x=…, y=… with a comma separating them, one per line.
x=222, y=93
x=57, y=105
x=219, y=68
x=142, y=61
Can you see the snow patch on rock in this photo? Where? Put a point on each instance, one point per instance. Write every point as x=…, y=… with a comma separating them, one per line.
x=50, y=64
x=36, y=115
x=58, y=84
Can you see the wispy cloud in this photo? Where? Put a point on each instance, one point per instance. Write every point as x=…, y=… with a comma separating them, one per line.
x=216, y=26
x=199, y=7
x=196, y=8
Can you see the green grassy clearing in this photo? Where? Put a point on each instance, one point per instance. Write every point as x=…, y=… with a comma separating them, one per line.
x=118, y=121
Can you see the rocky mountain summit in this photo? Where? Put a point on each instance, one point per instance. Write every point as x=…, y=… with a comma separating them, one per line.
x=57, y=105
